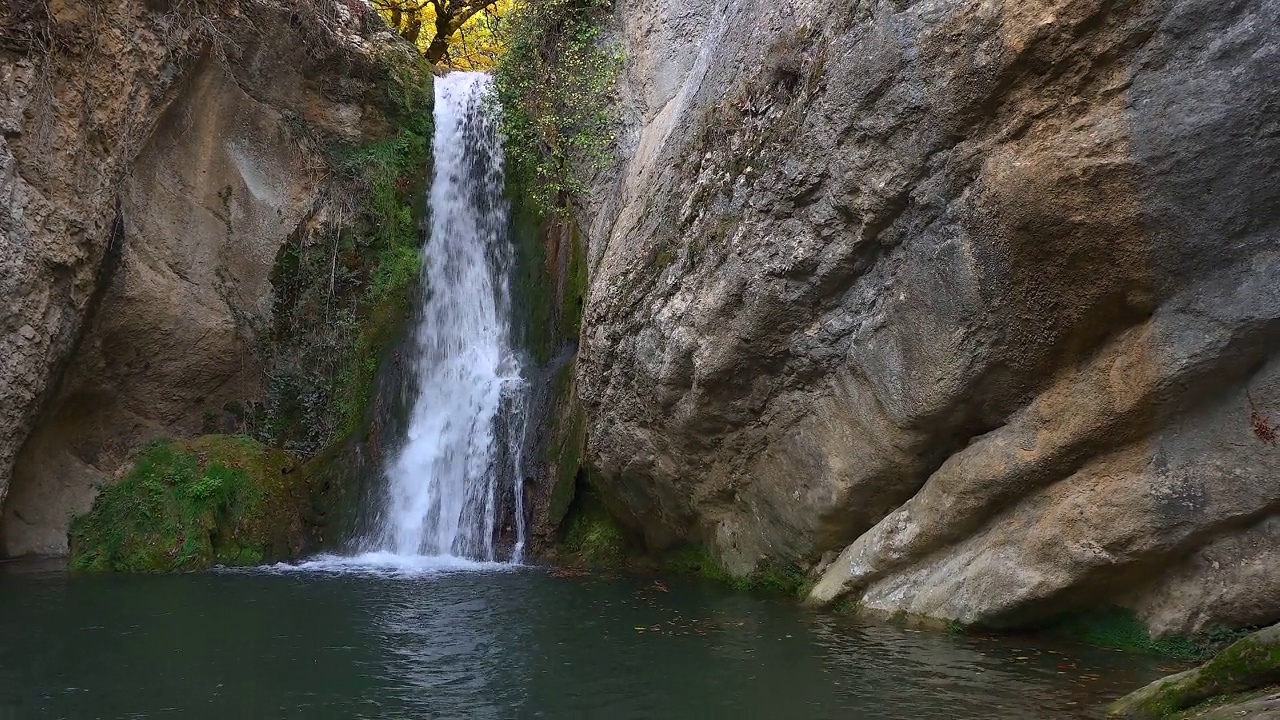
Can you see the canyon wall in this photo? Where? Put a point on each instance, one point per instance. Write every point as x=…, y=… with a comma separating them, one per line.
x=967, y=308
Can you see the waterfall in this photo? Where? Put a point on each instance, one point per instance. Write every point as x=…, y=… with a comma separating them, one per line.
x=446, y=485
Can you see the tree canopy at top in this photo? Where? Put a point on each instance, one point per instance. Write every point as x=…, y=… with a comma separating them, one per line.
x=460, y=34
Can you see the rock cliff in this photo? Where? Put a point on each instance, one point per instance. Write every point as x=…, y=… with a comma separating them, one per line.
x=155, y=157
x=967, y=307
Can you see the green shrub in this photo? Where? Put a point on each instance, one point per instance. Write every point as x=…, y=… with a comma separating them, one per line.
x=189, y=504
x=556, y=87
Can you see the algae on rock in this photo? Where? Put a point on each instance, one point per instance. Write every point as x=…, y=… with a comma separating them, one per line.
x=1248, y=664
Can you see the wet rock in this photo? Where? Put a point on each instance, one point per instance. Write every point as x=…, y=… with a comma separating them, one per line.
x=1249, y=663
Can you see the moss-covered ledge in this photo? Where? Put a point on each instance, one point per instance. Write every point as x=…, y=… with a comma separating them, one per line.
x=190, y=504
x=1245, y=666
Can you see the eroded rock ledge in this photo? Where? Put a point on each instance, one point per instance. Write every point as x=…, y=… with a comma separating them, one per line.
x=980, y=296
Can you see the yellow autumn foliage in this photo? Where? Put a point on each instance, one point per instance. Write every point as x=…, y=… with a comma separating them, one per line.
x=470, y=29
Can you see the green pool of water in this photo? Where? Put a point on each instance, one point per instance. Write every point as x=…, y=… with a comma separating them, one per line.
x=522, y=643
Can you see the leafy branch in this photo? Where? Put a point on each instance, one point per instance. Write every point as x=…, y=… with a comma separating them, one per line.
x=443, y=19
x=556, y=87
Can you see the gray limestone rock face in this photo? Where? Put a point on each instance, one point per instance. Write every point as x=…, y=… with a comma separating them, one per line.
x=980, y=295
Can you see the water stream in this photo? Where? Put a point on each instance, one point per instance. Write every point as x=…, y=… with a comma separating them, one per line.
x=465, y=434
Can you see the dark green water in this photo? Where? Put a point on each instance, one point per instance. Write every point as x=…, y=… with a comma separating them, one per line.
x=500, y=644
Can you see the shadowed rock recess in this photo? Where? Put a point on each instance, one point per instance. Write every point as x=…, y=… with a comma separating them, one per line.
x=157, y=159
x=969, y=308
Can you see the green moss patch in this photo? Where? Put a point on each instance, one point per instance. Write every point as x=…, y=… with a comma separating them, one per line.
x=769, y=576
x=786, y=578
x=696, y=560
x=1248, y=664
x=566, y=448
x=573, y=296
x=593, y=537
x=191, y=504
x=550, y=284
x=1120, y=628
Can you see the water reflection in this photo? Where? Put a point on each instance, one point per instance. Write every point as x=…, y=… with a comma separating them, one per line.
x=451, y=650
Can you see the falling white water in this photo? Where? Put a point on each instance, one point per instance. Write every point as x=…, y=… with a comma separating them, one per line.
x=466, y=429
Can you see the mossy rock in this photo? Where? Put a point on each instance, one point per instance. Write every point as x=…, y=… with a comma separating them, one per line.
x=1249, y=663
x=786, y=578
x=191, y=504
x=694, y=560
x=566, y=448
x=594, y=538
x=1256, y=704
x=768, y=576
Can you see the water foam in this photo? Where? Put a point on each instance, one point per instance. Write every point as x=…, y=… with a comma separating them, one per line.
x=387, y=564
